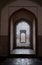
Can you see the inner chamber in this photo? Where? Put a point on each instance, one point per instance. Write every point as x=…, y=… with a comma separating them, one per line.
x=23, y=34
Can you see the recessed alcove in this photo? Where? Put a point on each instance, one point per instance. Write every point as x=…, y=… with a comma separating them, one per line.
x=23, y=32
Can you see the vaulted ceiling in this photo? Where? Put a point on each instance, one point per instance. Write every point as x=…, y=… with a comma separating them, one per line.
x=4, y=2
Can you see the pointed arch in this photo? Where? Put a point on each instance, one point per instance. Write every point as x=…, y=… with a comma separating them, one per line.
x=29, y=17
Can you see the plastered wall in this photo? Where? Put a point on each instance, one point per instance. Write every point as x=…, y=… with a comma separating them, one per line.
x=6, y=13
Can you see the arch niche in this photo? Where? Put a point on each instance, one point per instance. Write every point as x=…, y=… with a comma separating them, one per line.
x=27, y=16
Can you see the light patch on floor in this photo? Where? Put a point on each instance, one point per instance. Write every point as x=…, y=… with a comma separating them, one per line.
x=23, y=51
x=22, y=61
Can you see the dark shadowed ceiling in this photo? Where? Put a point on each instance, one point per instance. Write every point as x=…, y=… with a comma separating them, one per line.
x=4, y=2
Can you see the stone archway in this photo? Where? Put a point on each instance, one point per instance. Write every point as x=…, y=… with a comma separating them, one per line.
x=14, y=19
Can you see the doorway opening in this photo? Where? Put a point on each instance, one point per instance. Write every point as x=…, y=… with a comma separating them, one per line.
x=23, y=33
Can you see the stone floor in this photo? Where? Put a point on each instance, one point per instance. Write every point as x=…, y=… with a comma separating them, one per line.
x=23, y=51
x=21, y=61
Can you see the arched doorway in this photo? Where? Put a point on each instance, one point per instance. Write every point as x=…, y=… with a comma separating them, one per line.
x=23, y=32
